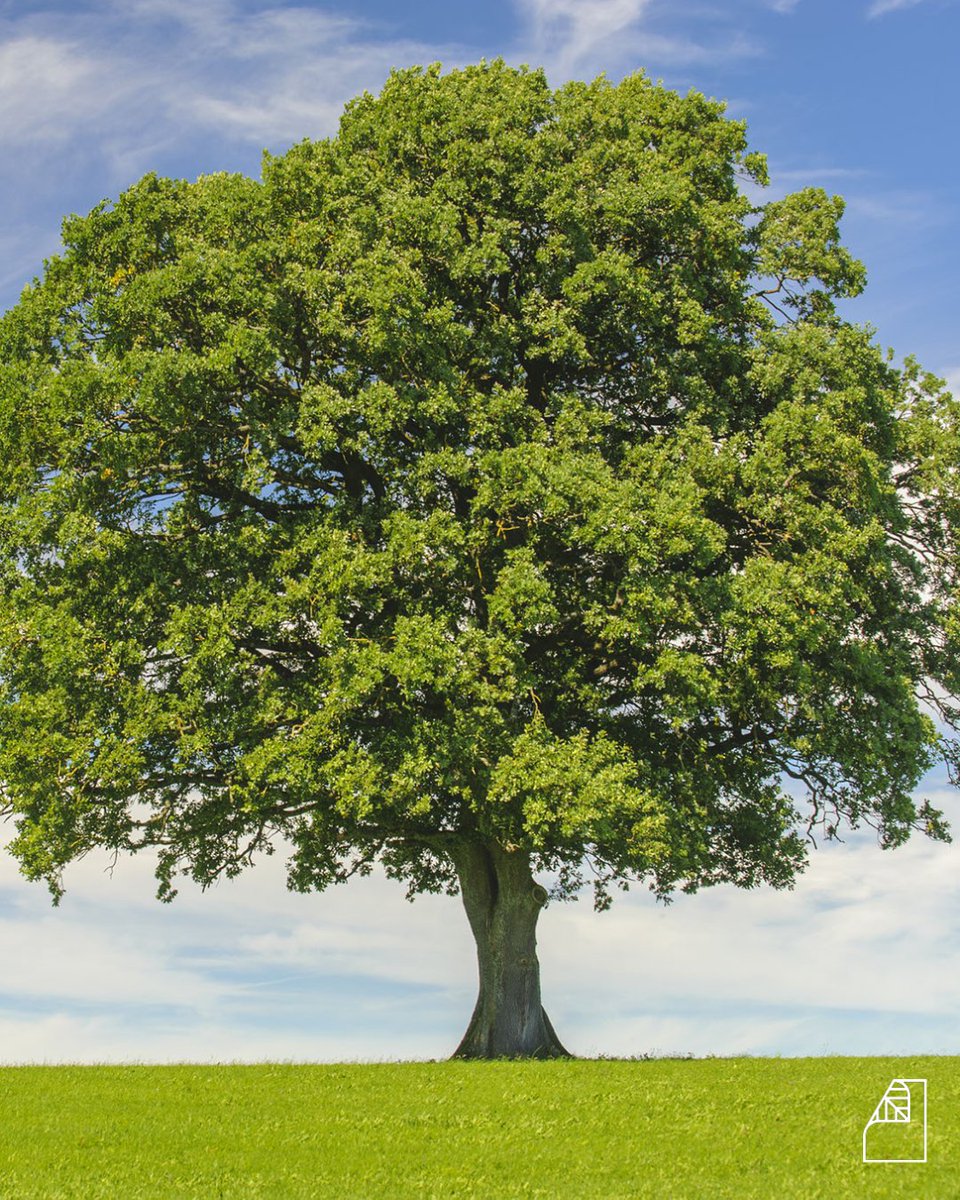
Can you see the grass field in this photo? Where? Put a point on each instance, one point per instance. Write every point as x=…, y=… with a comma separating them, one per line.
x=672, y=1129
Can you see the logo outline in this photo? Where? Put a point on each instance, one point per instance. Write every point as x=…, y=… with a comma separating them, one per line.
x=896, y=1108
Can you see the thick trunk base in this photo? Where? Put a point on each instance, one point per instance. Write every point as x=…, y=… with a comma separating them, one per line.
x=503, y=902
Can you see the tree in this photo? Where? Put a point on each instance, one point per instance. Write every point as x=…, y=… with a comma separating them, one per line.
x=491, y=490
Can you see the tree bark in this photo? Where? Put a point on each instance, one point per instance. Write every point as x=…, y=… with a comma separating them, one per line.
x=503, y=902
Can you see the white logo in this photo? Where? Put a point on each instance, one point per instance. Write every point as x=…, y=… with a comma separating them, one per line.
x=897, y=1121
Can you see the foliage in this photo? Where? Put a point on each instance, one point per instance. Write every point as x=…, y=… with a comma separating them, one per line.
x=494, y=469
x=743, y=1129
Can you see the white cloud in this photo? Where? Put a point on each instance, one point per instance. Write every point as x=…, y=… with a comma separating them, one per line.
x=784, y=180
x=285, y=73
x=157, y=67
x=863, y=930
x=23, y=250
x=68, y=1038
x=223, y=27
x=811, y=176
x=952, y=376
x=901, y=208
x=584, y=24
x=578, y=36
x=107, y=963
x=93, y=97
x=47, y=86
x=880, y=7
x=862, y=957
x=113, y=975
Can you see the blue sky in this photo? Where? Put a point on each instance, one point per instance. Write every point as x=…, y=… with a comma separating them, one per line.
x=863, y=957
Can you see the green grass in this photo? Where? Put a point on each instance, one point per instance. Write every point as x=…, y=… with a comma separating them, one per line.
x=676, y=1130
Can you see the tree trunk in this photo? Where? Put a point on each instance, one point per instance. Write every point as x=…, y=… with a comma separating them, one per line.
x=503, y=902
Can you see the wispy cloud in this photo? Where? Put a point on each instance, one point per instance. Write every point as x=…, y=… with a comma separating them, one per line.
x=48, y=86
x=880, y=7
x=94, y=96
x=112, y=975
x=807, y=176
x=267, y=74
x=952, y=377
x=861, y=957
x=901, y=207
x=582, y=26
x=570, y=36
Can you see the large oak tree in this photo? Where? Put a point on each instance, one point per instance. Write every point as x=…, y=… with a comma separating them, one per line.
x=491, y=490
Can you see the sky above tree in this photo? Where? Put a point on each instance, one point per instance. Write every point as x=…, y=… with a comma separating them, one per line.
x=858, y=99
